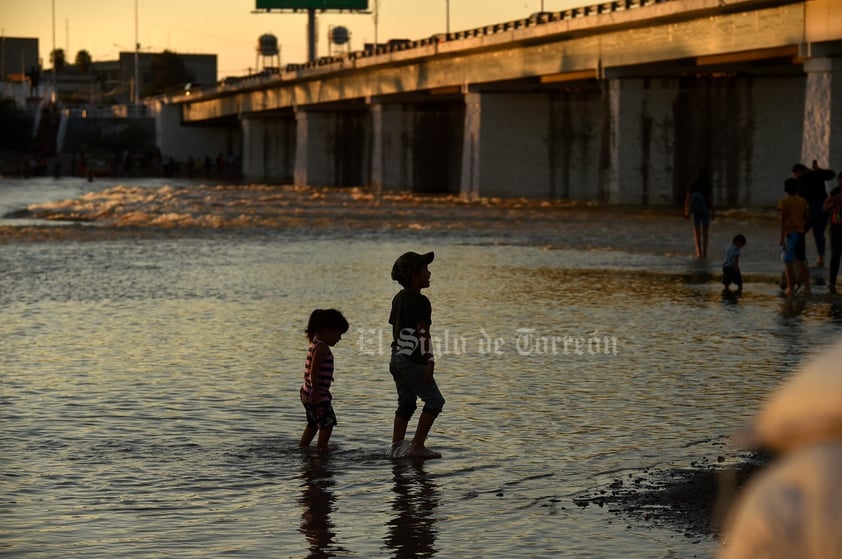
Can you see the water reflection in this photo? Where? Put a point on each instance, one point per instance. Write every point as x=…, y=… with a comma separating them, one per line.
x=412, y=531
x=318, y=502
x=793, y=307
x=835, y=313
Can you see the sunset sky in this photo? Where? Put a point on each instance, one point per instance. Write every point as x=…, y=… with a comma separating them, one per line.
x=230, y=29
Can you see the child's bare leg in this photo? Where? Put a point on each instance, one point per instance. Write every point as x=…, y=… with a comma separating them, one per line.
x=307, y=437
x=399, y=429
x=805, y=276
x=789, y=271
x=425, y=422
x=324, y=437
x=697, y=238
x=705, y=232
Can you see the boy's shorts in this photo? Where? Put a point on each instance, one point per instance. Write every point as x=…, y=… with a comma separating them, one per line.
x=701, y=218
x=409, y=381
x=795, y=249
x=320, y=415
x=731, y=275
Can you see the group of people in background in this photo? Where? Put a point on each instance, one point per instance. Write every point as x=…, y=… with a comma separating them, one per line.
x=806, y=207
x=809, y=207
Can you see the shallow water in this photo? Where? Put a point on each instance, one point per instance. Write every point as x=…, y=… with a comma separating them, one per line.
x=153, y=355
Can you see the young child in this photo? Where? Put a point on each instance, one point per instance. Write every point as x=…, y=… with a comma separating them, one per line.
x=324, y=330
x=795, y=214
x=731, y=264
x=412, y=364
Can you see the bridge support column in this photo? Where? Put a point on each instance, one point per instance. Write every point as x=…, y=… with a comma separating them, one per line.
x=822, y=136
x=391, y=152
x=505, y=145
x=332, y=148
x=182, y=142
x=312, y=156
x=268, y=149
x=640, y=159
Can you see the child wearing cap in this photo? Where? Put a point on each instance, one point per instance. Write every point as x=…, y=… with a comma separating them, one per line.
x=412, y=363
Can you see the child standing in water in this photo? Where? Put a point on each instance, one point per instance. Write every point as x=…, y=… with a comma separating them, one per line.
x=795, y=215
x=412, y=363
x=731, y=264
x=324, y=330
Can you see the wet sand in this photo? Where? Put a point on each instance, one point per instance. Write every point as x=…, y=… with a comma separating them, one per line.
x=693, y=501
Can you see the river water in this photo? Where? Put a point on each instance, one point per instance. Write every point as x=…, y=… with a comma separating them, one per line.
x=153, y=347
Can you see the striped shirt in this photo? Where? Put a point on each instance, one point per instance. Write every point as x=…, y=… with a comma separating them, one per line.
x=324, y=374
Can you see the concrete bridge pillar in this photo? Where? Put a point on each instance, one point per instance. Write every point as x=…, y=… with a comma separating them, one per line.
x=311, y=150
x=332, y=148
x=183, y=142
x=506, y=149
x=391, y=151
x=268, y=149
x=822, y=135
x=640, y=142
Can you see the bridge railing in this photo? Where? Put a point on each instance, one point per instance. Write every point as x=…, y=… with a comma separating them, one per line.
x=398, y=45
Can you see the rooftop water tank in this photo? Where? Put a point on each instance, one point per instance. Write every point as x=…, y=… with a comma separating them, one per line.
x=267, y=45
x=340, y=35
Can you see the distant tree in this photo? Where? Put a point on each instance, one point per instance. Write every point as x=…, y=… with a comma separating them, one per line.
x=58, y=59
x=166, y=72
x=83, y=61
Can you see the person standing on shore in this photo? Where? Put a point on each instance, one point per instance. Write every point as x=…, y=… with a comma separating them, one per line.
x=833, y=205
x=699, y=204
x=412, y=364
x=811, y=187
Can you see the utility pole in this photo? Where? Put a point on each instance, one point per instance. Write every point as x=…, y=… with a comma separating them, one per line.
x=447, y=27
x=136, y=59
x=311, y=35
x=54, y=50
x=376, y=16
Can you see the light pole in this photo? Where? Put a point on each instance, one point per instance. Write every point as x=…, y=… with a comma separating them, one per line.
x=136, y=57
x=447, y=6
x=54, y=49
x=376, y=16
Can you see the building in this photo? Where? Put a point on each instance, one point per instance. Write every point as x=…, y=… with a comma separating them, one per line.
x=18, y=58
x=202, y=67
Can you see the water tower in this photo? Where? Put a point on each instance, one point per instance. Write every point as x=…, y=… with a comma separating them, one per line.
x=339, y=38
x=267, y=48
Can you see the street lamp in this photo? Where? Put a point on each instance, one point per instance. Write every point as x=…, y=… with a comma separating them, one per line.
x=447, y=6
x=136, y=56
x=55, y=96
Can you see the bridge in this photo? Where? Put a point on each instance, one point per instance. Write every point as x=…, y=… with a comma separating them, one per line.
x=620, y=102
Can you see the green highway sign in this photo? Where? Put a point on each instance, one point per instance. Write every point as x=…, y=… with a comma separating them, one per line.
x=312, y=4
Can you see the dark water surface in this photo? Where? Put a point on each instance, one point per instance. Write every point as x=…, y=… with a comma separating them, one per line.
x=153, y=350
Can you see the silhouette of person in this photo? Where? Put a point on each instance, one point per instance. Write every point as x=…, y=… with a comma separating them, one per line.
x=699, y=204
x=34, y=75
x=811, y=187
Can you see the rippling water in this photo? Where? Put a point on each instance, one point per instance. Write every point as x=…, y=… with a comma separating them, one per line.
x=153, y=349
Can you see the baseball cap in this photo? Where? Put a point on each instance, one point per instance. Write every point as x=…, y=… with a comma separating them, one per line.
x=408, y=263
